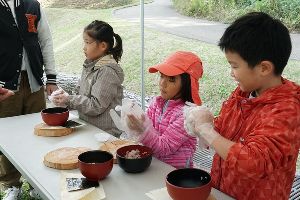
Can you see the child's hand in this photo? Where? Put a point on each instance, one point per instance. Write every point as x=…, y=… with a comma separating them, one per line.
x=60, y=98
x=201, y=115
x=195, y=116
x=199, y=122
x=50, y=88
x=136, y=124
x=207, y=132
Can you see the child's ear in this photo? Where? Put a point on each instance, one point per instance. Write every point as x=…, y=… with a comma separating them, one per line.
x=103, y=45
x=266, y=68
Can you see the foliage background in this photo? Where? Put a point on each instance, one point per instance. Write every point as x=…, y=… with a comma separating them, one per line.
x=67, y=21
x=215, y=85
x=87, y=4
x=288, y=11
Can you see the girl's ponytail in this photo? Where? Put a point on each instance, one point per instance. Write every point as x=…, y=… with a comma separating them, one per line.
x=117, y=50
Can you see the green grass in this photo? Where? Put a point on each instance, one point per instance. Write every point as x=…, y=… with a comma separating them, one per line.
x=90, y=4
x=227, y=11
x=215, y=86
x=2, y=194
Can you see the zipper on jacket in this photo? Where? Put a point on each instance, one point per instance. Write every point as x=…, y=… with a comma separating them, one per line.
x=163, y=110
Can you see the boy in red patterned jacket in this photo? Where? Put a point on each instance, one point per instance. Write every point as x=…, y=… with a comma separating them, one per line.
x=257, y=134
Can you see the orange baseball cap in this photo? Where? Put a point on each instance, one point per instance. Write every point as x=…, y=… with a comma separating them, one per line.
x=183, y=62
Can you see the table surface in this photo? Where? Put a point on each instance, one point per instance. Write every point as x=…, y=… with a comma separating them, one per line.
x=26, y=152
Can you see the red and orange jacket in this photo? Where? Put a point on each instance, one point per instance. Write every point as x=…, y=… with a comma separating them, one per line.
x=266, y=129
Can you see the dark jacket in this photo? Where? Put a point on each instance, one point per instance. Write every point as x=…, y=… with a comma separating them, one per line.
x=14, y=37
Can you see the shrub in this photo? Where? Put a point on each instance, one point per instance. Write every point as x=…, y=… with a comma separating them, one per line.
x=228, y=10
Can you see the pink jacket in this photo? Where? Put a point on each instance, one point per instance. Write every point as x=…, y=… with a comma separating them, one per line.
x=167, y=136
x=262, y=164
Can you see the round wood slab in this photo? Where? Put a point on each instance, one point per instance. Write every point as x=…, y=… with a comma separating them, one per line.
x=43, y=129
x=112, y=146
x=64, y=158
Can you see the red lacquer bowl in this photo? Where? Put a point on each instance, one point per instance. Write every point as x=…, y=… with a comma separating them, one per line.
x=56, y=116
x=188, y=184
x=95, y=165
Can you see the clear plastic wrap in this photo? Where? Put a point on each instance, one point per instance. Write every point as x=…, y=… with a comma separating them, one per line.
x=194, y=116
x=128, y=107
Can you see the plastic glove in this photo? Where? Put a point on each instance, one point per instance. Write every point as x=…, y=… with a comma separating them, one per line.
x=54, y=93
x=199, y=122
x=188, y=122
x=207, y=132
x=59, y=98
x=136, y=124
x=131, y=108
x=195, y=116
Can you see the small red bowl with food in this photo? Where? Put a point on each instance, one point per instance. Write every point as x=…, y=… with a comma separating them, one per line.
x=134, y=158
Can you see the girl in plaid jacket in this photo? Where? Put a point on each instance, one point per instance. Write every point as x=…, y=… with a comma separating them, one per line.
x=101, y=80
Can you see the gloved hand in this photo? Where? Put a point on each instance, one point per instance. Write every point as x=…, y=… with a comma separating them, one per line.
x=199, y=121
x=136, y=124
x=59, y=97
x=194, y=116
x=132, y=118
x=207, y=132
x=188, y=121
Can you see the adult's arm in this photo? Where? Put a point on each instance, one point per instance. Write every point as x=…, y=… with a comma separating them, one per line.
x=46, y=43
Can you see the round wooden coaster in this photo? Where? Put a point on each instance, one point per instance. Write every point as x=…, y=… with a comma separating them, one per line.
x=64, y=158
x=112, y=146
x=43, y=129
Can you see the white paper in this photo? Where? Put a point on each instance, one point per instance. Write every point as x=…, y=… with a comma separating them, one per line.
x=159, y=194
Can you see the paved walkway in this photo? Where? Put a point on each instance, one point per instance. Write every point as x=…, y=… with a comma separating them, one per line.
x=160, y=15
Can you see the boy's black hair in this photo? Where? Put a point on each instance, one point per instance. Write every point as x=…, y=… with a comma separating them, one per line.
x=258, y=37
x=185, y=91
x=103, y=32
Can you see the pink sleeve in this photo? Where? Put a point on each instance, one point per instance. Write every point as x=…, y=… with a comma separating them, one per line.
x=168, y=141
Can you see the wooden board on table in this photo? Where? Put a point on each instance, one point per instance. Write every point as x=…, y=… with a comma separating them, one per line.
x=43, y=129
x=64, y=158
x=113, y=146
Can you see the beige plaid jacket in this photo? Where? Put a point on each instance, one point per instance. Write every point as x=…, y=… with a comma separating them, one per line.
x=100, y=90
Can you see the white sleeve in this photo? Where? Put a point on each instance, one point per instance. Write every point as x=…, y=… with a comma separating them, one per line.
x=46, y=43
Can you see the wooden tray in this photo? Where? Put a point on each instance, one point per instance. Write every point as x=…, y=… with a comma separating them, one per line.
x=112, y=146
x=64, y=158
x=43, y=129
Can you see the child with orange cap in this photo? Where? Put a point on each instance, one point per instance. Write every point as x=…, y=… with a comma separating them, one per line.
x=162, y=129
